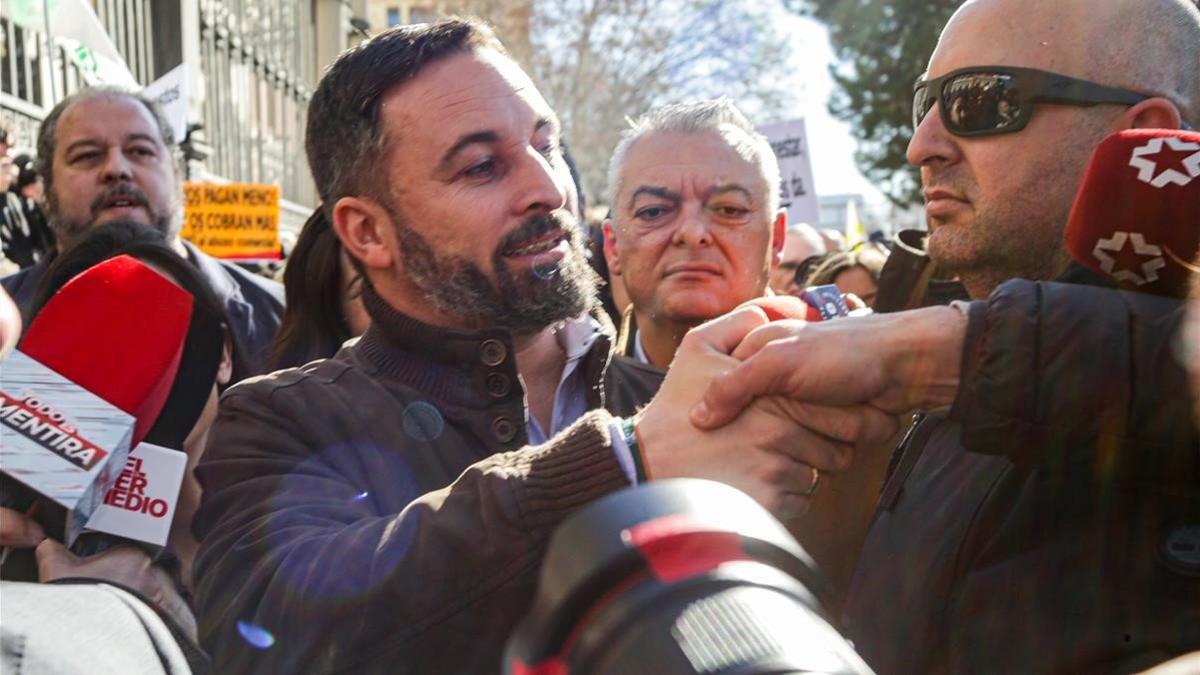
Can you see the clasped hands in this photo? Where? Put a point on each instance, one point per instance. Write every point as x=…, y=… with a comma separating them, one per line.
x=759, y=404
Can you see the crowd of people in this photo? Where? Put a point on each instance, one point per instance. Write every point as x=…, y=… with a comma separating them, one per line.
x=25, y=236
x=998, y=469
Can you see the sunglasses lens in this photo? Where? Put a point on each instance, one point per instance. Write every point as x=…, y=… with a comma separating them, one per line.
x=922, y=103
x=982, y=103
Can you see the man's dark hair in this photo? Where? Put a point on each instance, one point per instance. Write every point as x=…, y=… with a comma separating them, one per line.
x=48, y=132
x=344, y=139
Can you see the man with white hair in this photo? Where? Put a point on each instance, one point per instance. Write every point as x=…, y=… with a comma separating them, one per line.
x=695, y=231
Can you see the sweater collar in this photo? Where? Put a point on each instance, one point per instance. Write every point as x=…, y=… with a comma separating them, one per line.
x=449, y=364
x=392, y=330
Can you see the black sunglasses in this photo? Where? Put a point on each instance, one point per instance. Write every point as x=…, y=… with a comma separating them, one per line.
x=985, y=100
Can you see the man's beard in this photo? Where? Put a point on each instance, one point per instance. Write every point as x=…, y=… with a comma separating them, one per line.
x=523, y=301
x=68, y=231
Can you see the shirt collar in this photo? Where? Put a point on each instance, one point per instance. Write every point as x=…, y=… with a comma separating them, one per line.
x=576, y=336
x=639, y=350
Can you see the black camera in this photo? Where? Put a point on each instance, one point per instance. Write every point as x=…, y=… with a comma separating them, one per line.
x=680, y=576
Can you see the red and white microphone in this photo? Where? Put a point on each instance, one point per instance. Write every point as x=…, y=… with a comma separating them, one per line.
x=87, y=383
x=1136, y=217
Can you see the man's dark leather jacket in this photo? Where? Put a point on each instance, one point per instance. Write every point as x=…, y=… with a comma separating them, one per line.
x=1043, y=525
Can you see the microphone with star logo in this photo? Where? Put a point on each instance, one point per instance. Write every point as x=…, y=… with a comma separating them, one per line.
x=1136, y=217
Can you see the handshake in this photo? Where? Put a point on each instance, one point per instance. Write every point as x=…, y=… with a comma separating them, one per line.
x=769, y=406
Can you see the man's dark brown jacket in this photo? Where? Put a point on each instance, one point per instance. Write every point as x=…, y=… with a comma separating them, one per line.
x=375, y=512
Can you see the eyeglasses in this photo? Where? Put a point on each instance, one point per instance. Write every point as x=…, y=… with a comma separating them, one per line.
x=986, y=100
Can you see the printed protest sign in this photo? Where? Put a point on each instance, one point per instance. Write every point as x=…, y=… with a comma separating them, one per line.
x=789, y=140
x=238, y=220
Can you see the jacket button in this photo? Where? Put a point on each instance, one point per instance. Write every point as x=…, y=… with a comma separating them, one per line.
x=492, y=352
x=498, y=385
x=503, y=429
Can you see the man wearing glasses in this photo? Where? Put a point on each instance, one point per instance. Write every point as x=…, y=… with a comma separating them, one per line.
x=1016, y=97
x=975, y=564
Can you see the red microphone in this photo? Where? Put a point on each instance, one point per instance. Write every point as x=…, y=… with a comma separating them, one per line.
x=116, y=330
x=1136, y=217
x=88, y=381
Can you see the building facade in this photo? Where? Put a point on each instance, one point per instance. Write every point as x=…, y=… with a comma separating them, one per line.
x=251, y=64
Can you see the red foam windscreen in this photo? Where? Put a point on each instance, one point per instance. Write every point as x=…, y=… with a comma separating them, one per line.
x=1136, y=218
x=782, y=307
x=117, y=330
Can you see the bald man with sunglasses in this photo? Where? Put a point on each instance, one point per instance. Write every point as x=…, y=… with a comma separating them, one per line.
x=1017, y=95
x=977, y=562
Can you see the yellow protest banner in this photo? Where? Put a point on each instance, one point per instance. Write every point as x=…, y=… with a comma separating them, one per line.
x=238, y=220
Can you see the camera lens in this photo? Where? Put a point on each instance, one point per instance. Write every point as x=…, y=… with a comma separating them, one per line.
x=682, y=576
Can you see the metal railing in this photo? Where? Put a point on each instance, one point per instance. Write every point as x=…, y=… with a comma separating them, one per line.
x=25, y=79
x=258, y=59
x=130, y=25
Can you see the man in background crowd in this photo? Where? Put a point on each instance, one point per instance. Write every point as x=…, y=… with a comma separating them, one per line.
x=25, y=237
x=15, y=251
x=106, y=154
x=695, y=231
x=802, y=242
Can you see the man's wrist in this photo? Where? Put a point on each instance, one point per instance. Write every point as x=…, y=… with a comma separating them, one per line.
x=929, y=355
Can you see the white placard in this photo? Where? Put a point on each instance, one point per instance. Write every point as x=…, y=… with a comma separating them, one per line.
x=170, y=92
x=797, y=194
x=142, y=501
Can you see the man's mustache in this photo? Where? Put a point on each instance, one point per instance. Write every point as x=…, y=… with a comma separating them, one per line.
x=121, y=191
x=539, y=226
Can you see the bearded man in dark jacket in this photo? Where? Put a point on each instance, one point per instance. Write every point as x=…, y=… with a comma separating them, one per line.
x=387, y=510
x=108, y=154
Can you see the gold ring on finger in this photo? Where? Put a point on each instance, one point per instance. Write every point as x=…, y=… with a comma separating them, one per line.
x=812, y=487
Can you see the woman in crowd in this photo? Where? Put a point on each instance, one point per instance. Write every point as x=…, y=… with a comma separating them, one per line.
x=854, y=272
x=207, y=361
x=114, y=572
x=324, y=298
